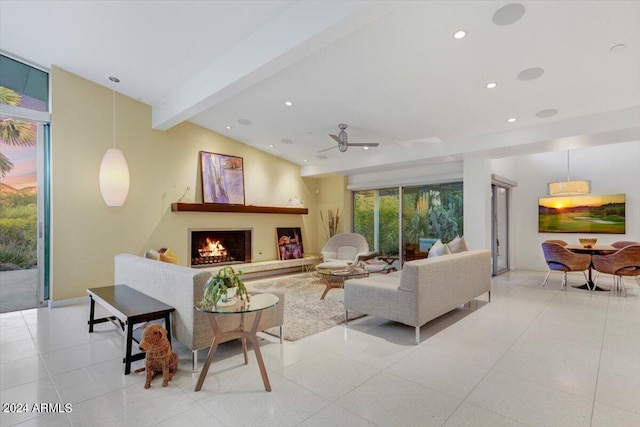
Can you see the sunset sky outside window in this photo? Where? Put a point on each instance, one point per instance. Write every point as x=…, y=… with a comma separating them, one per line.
x=24, y=159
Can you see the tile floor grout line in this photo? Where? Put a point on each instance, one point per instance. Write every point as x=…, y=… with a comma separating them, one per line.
x=595, y=389
x=497, y=361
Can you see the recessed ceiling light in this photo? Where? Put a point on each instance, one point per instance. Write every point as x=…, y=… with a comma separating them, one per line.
x=286, y=141
x=228, y=127
x=530, y=74
x=271, y=145
x=508, y=14
x=114, y=79
x=459, y=34
x=365, y=148
x=305, y=160
x=491, y=85
x=288, y=103
x=511, y=120
x=244, y=122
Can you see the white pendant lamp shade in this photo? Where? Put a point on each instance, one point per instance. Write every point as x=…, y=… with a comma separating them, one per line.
x=569, y=187
x=114, y=178
x=114, y=171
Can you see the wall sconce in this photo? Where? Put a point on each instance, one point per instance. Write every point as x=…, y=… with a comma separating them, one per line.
x=568, y=187
x=114, y=171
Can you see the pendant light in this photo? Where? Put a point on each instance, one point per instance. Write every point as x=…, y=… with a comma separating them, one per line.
x=114, y=172
x=568, y=187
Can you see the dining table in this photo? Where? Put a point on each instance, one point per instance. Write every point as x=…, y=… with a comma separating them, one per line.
x=592, y=250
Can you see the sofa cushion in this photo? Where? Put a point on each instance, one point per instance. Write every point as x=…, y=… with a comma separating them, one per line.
x=167, y=255
x=457, y=245
x=438, y=249
x=152, y=254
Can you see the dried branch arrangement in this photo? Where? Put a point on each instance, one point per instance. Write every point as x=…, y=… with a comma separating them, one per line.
x=331, y=228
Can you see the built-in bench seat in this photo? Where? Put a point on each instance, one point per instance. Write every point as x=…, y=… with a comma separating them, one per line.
x=263, y=268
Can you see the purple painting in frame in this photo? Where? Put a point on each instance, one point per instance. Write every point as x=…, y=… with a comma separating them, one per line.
x=289, y=243
x=222, y=179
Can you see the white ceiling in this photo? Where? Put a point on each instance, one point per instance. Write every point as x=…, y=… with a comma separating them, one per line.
x=392, y=71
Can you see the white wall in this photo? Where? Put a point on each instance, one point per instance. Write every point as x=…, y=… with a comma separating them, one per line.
x=612, y=169
x=477, y=203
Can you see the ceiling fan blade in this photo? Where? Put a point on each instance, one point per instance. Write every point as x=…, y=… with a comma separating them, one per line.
x=327, y=149
x=335, y=137
x=364, y=144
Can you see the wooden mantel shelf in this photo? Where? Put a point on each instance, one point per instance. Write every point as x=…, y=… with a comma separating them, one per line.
x=212, y=207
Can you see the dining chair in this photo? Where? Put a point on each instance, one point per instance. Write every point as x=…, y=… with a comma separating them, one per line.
x=623, y=262
x=561, y=259
x=558, y=241
x=622, y=243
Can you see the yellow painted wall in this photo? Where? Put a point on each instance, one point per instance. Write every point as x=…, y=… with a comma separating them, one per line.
x=333, y=196
x=86, y=234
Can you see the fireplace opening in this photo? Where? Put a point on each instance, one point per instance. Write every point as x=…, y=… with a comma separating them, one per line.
x=214, y=247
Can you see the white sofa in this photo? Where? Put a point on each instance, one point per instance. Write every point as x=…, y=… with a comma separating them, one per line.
x=181, y=287
x=423, y=290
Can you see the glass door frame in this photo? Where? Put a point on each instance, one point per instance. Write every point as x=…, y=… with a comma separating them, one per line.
x=42, y=120
x=508, y=185
x=496, y=246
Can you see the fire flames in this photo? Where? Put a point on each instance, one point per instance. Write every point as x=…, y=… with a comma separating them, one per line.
x=212, y=248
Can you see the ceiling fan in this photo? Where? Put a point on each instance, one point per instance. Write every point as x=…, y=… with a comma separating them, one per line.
x=343, y=141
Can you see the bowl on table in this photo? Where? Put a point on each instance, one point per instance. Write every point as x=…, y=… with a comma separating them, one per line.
x=588, y=243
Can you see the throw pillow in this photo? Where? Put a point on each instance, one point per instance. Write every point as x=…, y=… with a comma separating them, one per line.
x=167, y=255
x=457, y=245
x=152, y=254
x=438, y=249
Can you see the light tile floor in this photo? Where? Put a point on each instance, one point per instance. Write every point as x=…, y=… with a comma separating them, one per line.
x=532, y=357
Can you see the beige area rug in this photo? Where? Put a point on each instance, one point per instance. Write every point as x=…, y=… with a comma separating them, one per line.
x=304, y=313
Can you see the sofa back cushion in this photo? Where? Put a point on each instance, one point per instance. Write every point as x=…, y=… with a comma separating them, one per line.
x=446, y=269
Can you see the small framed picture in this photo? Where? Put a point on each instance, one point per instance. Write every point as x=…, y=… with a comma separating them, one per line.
x=289, y=243
x=222, y=179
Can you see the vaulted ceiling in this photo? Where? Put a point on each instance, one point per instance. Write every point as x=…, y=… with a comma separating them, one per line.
x=568, y=72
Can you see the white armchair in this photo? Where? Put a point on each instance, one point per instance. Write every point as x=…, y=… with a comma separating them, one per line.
x=345, y=247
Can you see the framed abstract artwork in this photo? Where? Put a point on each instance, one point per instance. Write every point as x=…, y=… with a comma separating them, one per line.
x=289, y=243
x=582, y=214
x=222, y=178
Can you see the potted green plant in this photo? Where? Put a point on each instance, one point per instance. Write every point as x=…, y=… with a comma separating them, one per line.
x=216, y=287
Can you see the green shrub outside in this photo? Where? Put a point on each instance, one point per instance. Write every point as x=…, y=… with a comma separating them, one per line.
x=18, y=229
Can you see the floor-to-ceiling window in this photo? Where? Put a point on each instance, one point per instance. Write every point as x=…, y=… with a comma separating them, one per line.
x=376, y=217
x=429, y=212
x=24, y=93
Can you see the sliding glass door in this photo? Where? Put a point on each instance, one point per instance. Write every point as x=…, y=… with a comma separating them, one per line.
x=376, y=217
x=24, y=185
x=406, y=221
x=430, y=212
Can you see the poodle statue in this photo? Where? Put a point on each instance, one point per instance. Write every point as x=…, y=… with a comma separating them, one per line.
x=160, y=357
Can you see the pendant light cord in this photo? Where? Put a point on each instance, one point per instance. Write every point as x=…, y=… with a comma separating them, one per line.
x=114, y=118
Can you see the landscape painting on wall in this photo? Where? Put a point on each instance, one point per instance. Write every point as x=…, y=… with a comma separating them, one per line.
x=582, y=214
x=289, y=243
x=222, y=179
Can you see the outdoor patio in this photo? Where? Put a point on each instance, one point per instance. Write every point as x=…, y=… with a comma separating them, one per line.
x=18, y=290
